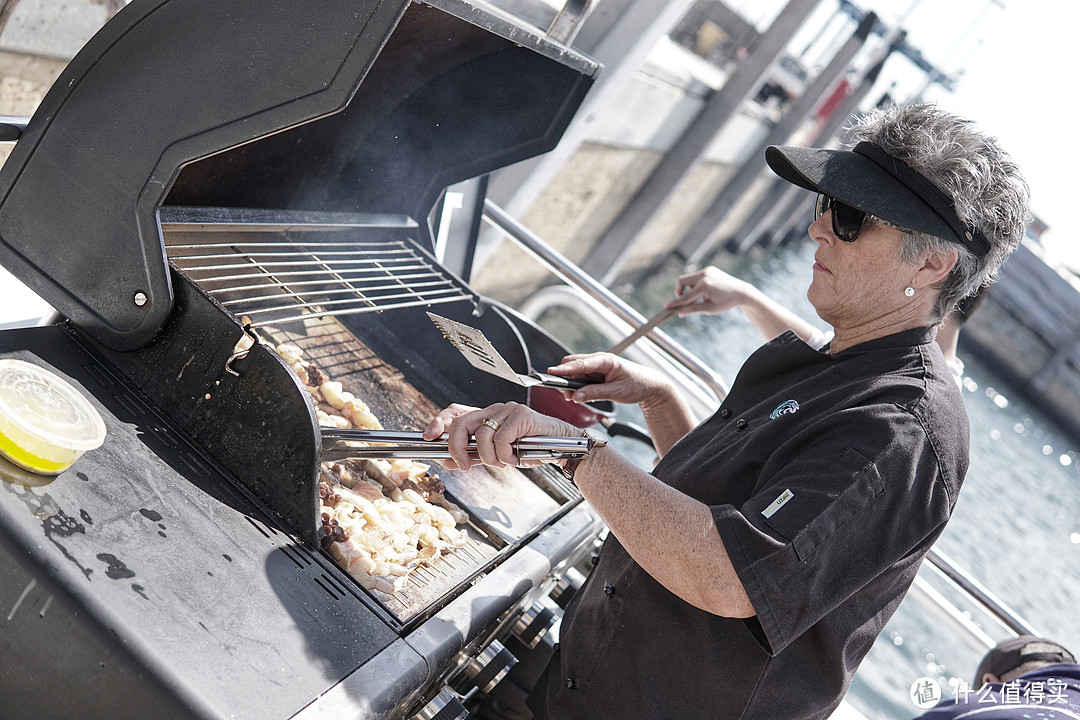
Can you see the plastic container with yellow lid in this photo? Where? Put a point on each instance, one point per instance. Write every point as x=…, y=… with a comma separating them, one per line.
x=45, y=423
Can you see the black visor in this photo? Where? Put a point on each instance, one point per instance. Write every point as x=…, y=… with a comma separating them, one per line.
x=871, y=180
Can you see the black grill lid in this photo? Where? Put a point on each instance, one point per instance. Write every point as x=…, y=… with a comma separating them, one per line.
x=461, y=92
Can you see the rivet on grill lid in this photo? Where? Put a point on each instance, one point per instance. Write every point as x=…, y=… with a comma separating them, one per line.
x=140, y=298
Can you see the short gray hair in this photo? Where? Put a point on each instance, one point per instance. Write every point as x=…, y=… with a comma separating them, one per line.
x=984, y=183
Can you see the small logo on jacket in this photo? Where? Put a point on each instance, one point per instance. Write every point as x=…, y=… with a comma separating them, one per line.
x=788, y=407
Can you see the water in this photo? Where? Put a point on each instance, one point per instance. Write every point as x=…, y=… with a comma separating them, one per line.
x=1016, y=528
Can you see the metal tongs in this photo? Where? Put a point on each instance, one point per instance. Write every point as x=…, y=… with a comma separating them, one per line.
x=395, y=444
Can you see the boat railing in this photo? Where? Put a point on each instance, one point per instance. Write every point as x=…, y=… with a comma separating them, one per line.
x=714, y=389
x=570, y=273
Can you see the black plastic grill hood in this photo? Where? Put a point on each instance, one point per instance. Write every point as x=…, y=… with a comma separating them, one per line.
x=319, y=105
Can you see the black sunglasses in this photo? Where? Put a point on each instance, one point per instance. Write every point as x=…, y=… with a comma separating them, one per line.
x=847, y=222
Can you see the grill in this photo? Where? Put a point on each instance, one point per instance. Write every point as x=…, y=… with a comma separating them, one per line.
x=206, y=170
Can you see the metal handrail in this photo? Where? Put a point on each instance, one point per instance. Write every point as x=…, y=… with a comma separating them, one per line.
x=573, y=275
x=959, y=577
x=561, y=266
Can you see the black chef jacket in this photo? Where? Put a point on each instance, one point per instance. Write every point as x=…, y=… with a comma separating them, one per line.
x=829, y=477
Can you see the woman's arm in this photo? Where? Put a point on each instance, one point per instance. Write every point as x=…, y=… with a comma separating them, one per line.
x=671, y=535
x=713, y=291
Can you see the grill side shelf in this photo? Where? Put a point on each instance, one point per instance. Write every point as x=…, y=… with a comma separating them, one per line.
x=167, y=585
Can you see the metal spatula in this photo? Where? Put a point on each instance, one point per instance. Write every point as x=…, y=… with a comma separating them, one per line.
x=482, y=355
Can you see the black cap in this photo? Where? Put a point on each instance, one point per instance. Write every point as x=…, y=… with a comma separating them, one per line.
x=1014, y=652
x=870, y=179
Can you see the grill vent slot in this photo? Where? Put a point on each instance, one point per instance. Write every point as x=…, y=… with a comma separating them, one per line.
x=264, y=529
x=332, y=591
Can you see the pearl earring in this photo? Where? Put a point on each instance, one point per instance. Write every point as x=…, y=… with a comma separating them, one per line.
x=909, y=291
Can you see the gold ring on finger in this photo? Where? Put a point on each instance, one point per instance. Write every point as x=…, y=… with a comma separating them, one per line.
x=493, y=424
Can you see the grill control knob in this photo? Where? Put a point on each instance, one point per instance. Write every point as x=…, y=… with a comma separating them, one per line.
x=533, y=624
x=444, y=706
x=489, y=667
x=568, y=585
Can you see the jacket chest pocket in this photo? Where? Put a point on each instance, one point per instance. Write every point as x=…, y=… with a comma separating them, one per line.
x=820, y=506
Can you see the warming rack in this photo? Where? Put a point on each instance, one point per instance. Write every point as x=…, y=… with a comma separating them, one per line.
x=268, y=268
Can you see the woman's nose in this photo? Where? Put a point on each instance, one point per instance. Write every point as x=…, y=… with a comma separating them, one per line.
x=821, y=229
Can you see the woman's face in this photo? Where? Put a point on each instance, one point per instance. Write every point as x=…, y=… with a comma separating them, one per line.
x=860, y=284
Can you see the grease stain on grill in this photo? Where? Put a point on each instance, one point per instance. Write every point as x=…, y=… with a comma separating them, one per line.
x=116, y=569
x=86, y=517
x=154, y=516
x=61, y=525
x=40, y=505
x=140, y=589
x=45, y=508
x=82, y=476
x=226, y=557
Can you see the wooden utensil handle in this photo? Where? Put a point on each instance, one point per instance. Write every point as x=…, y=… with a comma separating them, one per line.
x=633, y=337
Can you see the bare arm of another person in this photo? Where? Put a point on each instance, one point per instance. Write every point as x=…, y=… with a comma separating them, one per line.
x=671, y=535
x=713, y=291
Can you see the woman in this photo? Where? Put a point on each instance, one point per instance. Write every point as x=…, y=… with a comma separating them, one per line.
x=748, y=575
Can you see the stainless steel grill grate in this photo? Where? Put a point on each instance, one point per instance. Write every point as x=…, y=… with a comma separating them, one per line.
x=272, y=268
x=428, y=583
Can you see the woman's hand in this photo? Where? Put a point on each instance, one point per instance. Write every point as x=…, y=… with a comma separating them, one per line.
x=495, y=429
x=714, y=291
x=613, y=378
x=710, y=290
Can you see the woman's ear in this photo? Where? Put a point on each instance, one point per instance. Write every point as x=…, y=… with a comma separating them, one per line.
x=936, y=267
